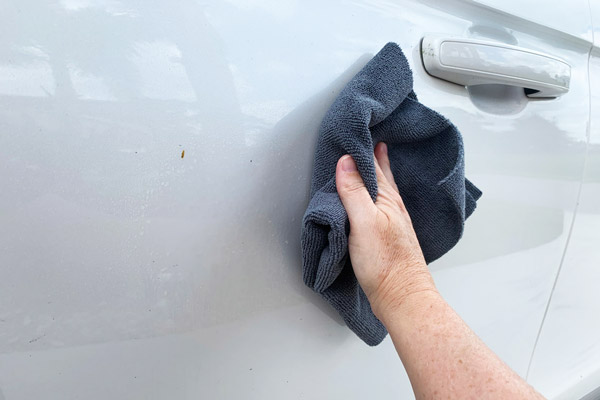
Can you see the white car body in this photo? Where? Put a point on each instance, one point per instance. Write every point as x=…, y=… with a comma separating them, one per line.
x=155, y=160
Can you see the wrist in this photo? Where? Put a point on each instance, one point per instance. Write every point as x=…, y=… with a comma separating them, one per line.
x=403, y=295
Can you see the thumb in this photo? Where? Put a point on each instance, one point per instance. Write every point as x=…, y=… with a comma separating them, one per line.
x=352, y=190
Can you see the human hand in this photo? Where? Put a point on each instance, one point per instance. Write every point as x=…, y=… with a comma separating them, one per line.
x=384, y=250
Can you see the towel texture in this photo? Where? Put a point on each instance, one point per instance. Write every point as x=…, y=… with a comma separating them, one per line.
x=427, y=160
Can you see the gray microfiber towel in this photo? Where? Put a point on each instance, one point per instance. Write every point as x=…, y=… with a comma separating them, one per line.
x=427, y=160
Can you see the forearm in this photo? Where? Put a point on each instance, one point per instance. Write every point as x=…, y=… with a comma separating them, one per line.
x=442, y=355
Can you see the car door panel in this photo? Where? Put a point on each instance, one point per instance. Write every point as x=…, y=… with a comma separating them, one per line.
x=155, y=168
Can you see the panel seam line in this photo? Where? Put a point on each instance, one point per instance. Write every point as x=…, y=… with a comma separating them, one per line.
x=575, y=210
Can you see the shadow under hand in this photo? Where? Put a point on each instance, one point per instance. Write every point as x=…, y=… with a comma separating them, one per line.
x=296, y=135
x=285, y=173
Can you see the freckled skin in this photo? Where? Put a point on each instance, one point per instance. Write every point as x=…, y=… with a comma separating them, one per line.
x=442, y=355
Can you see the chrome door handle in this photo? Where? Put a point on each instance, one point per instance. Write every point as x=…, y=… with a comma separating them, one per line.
x=477, y=62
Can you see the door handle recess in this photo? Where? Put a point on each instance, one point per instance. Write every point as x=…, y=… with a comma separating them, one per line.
x=470, y=62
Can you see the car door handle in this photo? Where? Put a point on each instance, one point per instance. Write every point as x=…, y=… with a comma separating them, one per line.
x=470, y=62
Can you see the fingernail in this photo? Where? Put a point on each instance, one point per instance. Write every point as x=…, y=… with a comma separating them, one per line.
x=384, y=147
x=348, y=164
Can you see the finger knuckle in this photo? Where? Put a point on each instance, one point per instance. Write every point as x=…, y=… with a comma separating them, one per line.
x=353, y=187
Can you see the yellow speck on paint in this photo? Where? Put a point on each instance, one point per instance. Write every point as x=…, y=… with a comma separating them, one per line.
x=182, y=153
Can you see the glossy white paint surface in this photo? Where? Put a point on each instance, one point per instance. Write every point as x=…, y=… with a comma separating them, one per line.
x=129, y=271
x=566, y=16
